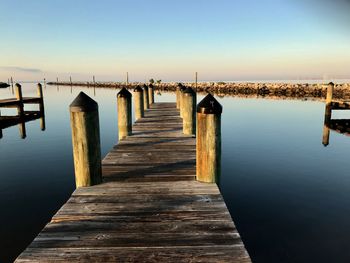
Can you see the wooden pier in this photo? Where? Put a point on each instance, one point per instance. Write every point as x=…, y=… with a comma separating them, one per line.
x=22, y=116
x=149, y=207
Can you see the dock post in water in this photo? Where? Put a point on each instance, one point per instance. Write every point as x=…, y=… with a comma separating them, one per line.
x=145, y=97
x=41, y=107
x=182, y=89
x=138, y=103
x=189, y=111
x=86, y=141
x=330, y=90
x=208, y=142
x=151, y=93
x=124, y=113
x=19, y=97
x=179, y=85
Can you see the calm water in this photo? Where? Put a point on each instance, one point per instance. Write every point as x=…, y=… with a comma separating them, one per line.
x=288, y=194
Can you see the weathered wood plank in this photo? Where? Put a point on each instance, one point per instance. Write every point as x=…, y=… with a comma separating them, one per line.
x=207, y=254
x=148, y=209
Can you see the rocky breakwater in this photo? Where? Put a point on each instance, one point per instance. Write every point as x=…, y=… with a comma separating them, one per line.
x=274, y=90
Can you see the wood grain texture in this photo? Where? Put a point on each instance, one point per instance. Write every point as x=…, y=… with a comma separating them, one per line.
x=149, y=207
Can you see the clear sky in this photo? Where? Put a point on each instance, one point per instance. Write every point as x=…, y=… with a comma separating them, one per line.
x=171, y=39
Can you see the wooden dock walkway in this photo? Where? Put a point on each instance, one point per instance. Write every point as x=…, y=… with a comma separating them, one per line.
x=149, y=207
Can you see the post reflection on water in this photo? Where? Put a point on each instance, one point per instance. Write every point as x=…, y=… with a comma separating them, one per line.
x=341, y=126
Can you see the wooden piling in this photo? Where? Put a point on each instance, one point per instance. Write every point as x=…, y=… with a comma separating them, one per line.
x=41, y=107
x=70, y=80
x=208, y=142
x=145, y=97
x=196, y=80
x=40, y=91
x=182, y=89
x=86, y=141
x=330, y=90
x=127, y=78
x=11, y=81
x=151, y=93
x=124, y=113
x=138, y=103
x=19, y=97
x=179, y=85
x=189, y=111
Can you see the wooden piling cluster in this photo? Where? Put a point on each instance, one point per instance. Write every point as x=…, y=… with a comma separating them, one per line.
x=23, y=116
x=148, y=207
x=338, y=125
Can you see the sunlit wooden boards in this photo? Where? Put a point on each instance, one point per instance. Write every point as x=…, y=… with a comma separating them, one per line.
x=149, y=208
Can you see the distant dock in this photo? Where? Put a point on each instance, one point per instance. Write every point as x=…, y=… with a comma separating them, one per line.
x=149, y=207
x=22, y=116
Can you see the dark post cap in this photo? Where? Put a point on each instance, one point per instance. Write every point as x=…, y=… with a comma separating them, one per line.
x=18, y=85
x=124, y=93
x=145, y=87
x=138, y=89
x=83, y=103
x=209, y=105
x=182, y=88
x=150, y=86
x=189, y=90
x=39, y=84
x=331, y=83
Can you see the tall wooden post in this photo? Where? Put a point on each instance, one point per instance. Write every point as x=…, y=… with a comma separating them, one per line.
x=208, y=141
x=41, y=107
x=124, y=113
x=11, y=81
x=151, y=93
x=127, y=78
x=145, y=97
x=86, y=141
x=330, y=90
x=20, y=111
x=19, y=97
x=189, y=112
x=182, y=89
x=179, y=85
x=196, y=80
x=70, y=80
x=57, y=81
x=138, y=103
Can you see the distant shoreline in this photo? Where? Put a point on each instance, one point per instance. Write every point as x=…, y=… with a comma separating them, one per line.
x=250, y=89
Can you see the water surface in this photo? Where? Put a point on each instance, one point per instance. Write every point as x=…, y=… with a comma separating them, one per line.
x=288, y=194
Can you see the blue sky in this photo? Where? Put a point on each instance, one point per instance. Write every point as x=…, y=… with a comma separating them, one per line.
x=222, y=40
